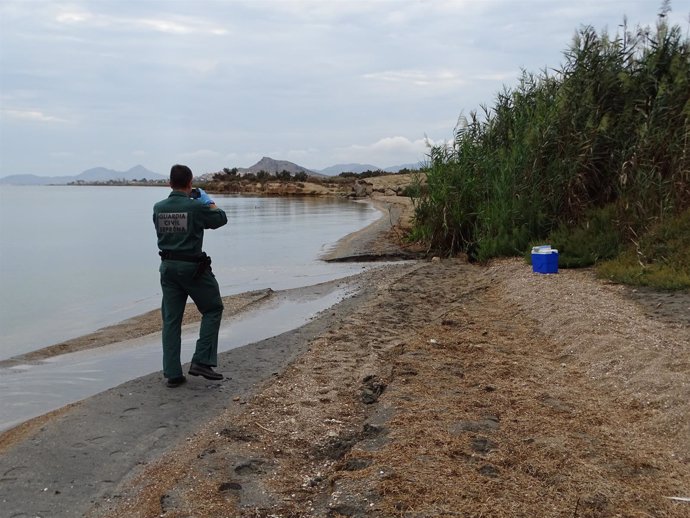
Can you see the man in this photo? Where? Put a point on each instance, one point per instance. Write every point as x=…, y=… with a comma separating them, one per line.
x=185, y=271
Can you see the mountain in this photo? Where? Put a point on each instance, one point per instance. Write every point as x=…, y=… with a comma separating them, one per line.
x=360, y=168
x=32, y=179
x=97, y=174
x=101, y=174
x=396, y=168
x=335, y=170
x=275, y=166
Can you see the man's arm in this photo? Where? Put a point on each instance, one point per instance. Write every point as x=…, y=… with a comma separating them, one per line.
x=214, y=217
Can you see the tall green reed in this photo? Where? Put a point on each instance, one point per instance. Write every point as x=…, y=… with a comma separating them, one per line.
x=610, y=128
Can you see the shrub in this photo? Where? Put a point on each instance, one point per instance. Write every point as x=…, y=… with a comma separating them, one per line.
x=594, y=239
x=660, y=258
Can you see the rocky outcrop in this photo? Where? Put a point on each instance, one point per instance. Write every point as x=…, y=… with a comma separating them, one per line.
x=277, y=188
x=388, y=186
x=362, y=189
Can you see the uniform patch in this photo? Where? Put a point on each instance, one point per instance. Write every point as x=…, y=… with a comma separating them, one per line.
x=172, y=222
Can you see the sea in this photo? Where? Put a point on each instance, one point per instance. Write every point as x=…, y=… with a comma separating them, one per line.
x=74, y=259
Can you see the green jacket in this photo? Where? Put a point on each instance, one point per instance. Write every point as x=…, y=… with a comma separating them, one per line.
x=180, y=222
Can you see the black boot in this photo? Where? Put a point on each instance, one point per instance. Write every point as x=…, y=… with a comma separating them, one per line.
x=197, y=369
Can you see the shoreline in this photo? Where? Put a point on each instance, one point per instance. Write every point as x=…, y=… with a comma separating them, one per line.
x=382, y=239
x=134, y=327
x=346, y=249
x=439, y=388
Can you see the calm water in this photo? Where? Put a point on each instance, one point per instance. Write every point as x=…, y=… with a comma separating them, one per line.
x=73, y=259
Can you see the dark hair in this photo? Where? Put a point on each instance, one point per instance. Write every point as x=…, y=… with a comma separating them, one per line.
x=180, y=176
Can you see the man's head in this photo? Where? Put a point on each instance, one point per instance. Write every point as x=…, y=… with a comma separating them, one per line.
x=180, y=177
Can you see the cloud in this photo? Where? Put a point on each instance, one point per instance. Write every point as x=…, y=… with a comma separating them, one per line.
x=62, y=154
x=395, y=144
x=184, y=25
x=386, y=152
x=202, y=65
x=295, y=155
x=200, y=154
x=497, y=76
x=74, y=17
x=439, y=78
x=317, y=9
x=30, y=116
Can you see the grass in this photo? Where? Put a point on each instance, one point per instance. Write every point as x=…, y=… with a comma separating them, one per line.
x=596, y=238
x=660, y=259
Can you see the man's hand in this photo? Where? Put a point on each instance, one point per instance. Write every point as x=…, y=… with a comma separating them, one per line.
x=205, y=198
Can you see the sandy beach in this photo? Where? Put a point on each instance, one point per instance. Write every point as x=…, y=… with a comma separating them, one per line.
x=438, y=388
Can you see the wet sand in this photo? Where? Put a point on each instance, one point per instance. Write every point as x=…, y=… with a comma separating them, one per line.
x=135, y=327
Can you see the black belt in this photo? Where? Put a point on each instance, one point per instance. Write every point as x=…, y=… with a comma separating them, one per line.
x=174, y=256
x=203, y=260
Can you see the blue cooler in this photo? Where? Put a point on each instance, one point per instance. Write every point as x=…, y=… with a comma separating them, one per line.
x=544, y=259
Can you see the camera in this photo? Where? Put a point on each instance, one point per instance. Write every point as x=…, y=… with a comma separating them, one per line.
x=195, y=194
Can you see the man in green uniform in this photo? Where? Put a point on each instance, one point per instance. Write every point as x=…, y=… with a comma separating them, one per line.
x=185, y=271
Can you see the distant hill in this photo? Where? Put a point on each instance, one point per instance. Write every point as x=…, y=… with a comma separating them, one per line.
x=32, y=179
x=396, y=168
x=97, y=174
x=335, y=170
x=360, y=168
x=275, y=166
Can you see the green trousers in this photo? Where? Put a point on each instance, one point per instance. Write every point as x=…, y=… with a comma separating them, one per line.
x=177, y=283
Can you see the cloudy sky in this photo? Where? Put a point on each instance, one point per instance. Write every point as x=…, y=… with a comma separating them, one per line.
x=215, y=84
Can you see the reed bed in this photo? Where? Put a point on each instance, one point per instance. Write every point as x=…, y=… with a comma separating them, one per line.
x=590, y=156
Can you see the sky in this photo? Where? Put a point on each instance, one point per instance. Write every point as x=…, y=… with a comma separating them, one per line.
x=214, y=84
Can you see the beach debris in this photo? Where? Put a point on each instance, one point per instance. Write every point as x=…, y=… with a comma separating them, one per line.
x=251, y=467
x=489, y=471
x=483, y=445
x=487, y=424
x=237, y=434
x=685, y=499
x=264, y=428
x=227, y=486
x=356, y=464
x=372, y=388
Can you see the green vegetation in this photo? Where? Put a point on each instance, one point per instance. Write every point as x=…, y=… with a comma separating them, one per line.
x=233, y=176
x=660, y=258
x=587, y=158
x=373, y=174
x=595, y=239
